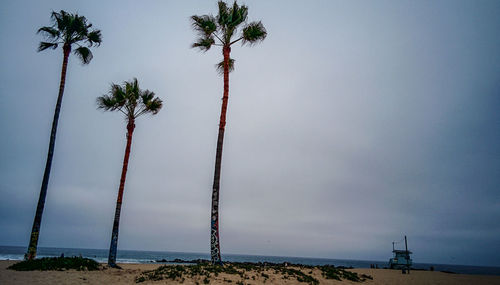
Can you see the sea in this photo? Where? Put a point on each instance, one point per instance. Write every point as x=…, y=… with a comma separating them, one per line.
x=142, y=256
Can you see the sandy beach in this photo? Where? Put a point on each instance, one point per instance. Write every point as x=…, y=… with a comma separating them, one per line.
x=129, y=272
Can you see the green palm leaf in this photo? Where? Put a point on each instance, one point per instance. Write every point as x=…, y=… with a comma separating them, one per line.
x=254, y=33
x=224, y=27
x=220, y=66
x=49, y=32
x=45, y=45
x=84, y=54
x=204, y=43
x=238, y=15
x=129, y=99
x=205, y=24
x=68, y=29
x=94, y=37
x=223, y=16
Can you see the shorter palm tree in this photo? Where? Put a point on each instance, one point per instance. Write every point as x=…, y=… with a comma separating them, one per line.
x=132, y=102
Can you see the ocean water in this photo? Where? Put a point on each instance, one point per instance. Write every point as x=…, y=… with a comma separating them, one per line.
x=141, y=256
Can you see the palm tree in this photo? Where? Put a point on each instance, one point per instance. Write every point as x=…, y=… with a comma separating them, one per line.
x=132, y=102
x=219, y=31
x=67, y=30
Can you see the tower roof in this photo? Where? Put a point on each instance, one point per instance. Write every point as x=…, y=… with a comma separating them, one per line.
x=401, y=251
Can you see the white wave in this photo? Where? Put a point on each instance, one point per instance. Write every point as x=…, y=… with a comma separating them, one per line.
x=11, y=256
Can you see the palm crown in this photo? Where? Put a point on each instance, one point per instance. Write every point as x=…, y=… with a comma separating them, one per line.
x=224, y=27
x=69, y=29
x=130, y=100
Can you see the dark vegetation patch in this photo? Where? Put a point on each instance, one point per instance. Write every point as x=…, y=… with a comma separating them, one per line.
x=364, y=276
x=339, y=273
x=203, y=271
x=180, y=272
x=56, y=263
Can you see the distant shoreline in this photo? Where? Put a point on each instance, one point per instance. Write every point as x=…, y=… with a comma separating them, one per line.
x=151, y=257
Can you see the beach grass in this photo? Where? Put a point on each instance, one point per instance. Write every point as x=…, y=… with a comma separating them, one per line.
x=241, y=271
x=56, y=263
x=231, y=274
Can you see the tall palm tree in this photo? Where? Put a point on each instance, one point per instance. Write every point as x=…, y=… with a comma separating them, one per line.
x=226, y=29
x=67, y=30
x=132, y=102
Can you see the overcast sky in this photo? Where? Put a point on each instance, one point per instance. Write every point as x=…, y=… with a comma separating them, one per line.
x=353, y=124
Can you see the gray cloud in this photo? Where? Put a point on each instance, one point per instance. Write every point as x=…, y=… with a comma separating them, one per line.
x=351, y=125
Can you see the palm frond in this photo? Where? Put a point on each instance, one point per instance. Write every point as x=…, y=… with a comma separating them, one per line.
x=228, y=22
x=147, y=96
x=229, y=18
x=254, y=33
x=204, y=43
x=49, y=32
x=133, y=89
x=69, y=29
x=77, y=23
x=84, y=54
x=125, y=98
x=45, y=45
x=223, y=16
x=220, y=66
x=77, y=30
x=151, y=104
x=94, y=37
x=238, y=15
x=107, y=103
x=119, y=94
x=115, y=100
x=59, y=19
x=205, y=25
x=155, y=106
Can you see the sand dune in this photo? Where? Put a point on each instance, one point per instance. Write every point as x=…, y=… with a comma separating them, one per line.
x=130, y=271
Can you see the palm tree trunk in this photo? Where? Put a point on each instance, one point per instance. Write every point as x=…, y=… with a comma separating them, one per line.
x=35, y=231
x=214, y=232
x=116, y=223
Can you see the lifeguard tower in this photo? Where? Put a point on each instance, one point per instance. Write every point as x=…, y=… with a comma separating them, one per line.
x=401, y=259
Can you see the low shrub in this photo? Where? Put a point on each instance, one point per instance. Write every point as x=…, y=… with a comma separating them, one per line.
x=56, y=263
